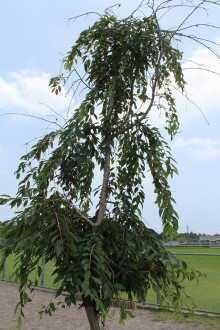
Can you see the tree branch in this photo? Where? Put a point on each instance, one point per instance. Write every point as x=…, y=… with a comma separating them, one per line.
x=86, y=14
x=32, y=116
x=81, y=216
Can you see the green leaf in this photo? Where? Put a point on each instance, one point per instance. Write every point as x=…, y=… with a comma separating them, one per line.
x=97, y=280
x=87, y=275
x=19, y=202
x=58, y=292
x=139, y=212
x=25, y=297
x=75, y=238
x=3, y=201
x=52, y=307
x=72, y=247
x=19, y=323
x=118, y=286
x=130, y=314
x=59, y=248
x=16, y=307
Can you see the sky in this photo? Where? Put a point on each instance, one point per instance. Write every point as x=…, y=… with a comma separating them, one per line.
x=36, y=35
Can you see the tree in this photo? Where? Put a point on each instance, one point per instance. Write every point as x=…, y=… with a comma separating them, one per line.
x=130, y=66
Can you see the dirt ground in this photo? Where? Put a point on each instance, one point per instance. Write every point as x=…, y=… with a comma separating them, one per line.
x=71, y=318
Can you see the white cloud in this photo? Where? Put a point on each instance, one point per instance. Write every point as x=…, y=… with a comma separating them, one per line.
x=203, y=82
x=204, y=85
x=199, y=148
x=25, y=91
x=202, y=88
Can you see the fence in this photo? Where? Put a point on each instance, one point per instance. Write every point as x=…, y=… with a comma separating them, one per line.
x=205, y=293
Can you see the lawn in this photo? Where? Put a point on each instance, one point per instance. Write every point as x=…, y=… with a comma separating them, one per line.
x=192, y=249
x=205, y=294
x=209, y=321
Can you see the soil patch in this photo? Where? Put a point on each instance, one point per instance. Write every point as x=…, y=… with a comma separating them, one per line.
x=73, y=318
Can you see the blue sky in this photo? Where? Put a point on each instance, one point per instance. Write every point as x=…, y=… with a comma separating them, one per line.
x=35, y=36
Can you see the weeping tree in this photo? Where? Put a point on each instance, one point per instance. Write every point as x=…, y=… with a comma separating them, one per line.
x=124, y=69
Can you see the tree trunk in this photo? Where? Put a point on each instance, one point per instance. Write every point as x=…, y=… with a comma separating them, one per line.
x=91, y=314
x=129, y=296
x=103, y=195
x=102, y=203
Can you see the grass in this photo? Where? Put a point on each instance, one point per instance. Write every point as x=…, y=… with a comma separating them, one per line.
x=162, y=315
x=205, y=294
x=192, y=249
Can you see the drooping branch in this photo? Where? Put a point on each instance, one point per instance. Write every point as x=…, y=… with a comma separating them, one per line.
x=153, y=94
x=135, y=10
x=57, y=113
x=109, y=9
x=85, y=14
x=202, y=42
x=188, y=16
x=138, y=121
x=32, y=116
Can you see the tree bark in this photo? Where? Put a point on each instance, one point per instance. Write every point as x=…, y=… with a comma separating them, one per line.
x=91, y=315
x=103, y=196
x=104, y=191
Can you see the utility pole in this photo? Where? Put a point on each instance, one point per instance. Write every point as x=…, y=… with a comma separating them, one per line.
x=187, y=227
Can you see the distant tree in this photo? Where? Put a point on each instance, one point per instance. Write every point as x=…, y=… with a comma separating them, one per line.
x=130, y=66
x=186, y=237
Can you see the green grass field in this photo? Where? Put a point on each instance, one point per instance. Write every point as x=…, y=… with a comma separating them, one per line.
x=197, y=249
x=205, y=294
